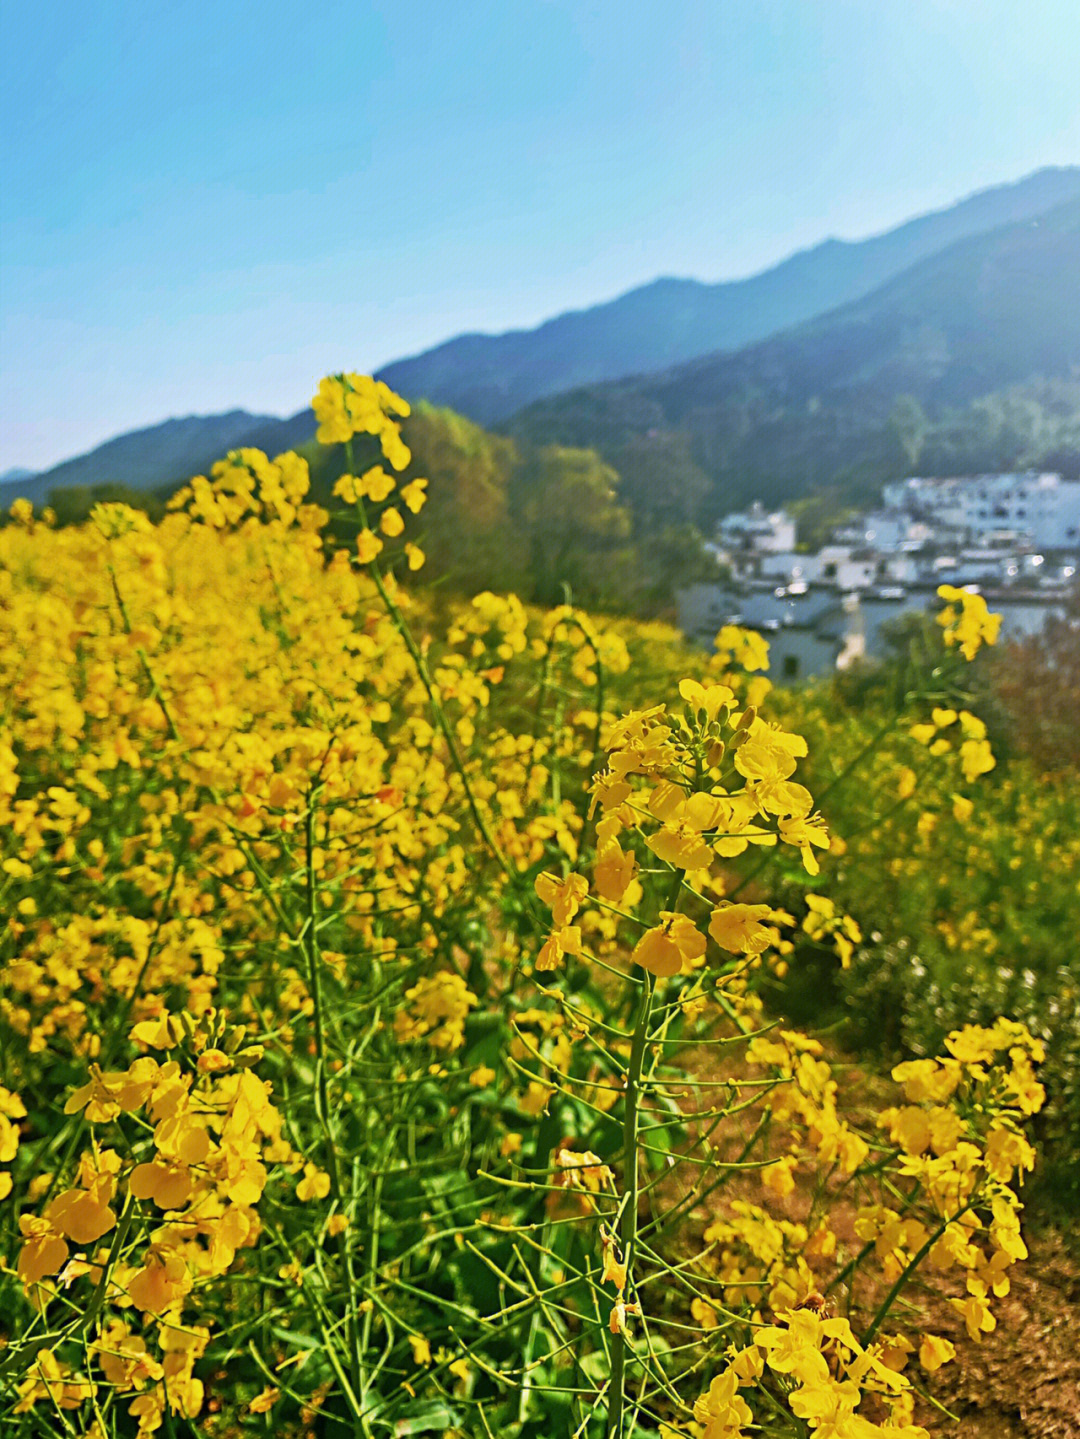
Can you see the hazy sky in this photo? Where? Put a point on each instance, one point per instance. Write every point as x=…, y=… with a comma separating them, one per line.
x=209, y=204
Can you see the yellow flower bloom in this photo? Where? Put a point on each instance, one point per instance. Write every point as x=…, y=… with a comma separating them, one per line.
x=966, y=621
x=673, y=944
x=746, y=647
x=934, y=1352
x=745, y=928
x=421, y=1349
x=264, y=1401
x=315, y=1184
x=413, y=495
x=707, y=700
x=582, y=1171
x=368, y=546
x=614, y=871
x=564, y=897
x=559, y=943
x=722, y=1410
x=778, y=1178
x=44, y=1249
x=391, y=523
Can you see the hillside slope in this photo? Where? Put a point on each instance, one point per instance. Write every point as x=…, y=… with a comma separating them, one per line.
x=812, y=406
x=818, y=404
x=144, y=459
x=489, y=377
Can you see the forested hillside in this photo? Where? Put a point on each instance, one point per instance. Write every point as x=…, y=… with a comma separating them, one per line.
x=971, y=360
x=968, y=361
x=489, y=377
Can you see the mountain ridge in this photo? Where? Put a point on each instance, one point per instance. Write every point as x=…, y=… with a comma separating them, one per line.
x=987, y=316
x=170, y=452
x=173, y=449
x=671, y=319
x=16, y=474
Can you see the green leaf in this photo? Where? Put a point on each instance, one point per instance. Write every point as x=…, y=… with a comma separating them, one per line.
x=426, y=1418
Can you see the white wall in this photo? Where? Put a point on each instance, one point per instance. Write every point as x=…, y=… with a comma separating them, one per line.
x=1042, y=507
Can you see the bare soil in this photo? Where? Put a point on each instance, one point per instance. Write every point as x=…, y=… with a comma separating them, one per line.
x=1022, y=1381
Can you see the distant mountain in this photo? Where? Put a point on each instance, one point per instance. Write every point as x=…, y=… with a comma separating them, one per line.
x=909, y=312
x=276, y=436
x=16, y=474
x=490, y=377
x=145, y=459
x=867, y=391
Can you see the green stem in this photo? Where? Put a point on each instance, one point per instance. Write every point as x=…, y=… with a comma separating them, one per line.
x=628, y=1224
x=424, y=674
x=913, y=1264
x=309, y=935
x=628, y=1227
x=151, y=678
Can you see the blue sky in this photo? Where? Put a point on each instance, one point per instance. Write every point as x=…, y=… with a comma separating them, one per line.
x=209, y=204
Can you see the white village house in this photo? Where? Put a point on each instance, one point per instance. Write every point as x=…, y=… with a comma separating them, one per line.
x=1014, y=538
x=1040, y=509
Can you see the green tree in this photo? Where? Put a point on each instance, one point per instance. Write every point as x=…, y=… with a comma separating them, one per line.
x=72, y=503
x=465, y=528
x=661, y=481
x=566, y=502
x=910, y=426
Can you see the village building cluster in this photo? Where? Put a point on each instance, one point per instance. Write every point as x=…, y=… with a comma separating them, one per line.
x=1015, y=538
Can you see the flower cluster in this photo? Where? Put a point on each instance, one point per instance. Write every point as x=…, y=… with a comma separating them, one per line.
x=440, y=872
x=961, y=1142
x=824, y=921
x=960, y=1150
x=350, y=404
x=697, y=788
x=966, y=621
x=976, y=756
x=435, y=1010
x=12, y=1109
x=174, y=1173
x=825, y=1374
x=247, y=483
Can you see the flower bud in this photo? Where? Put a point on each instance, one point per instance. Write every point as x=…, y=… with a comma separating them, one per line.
x=213, y=1061
x=234, y=1038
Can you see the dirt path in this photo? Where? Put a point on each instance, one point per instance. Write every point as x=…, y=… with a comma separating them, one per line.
x=1023, y=1380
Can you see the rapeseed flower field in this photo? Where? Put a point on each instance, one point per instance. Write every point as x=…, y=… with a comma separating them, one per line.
x=393, y=995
